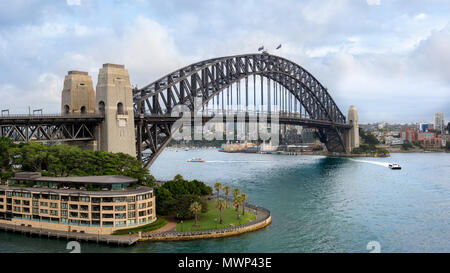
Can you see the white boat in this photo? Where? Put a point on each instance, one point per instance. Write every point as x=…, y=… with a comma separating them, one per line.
x=394, y=166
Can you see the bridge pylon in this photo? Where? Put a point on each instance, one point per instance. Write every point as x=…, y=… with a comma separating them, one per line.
x=114, y=100
x=78, y=95
x=352, y=140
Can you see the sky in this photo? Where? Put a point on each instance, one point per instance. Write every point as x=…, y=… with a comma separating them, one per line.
x=388, y=58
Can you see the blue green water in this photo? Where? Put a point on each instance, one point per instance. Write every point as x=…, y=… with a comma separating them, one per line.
x=318, y=204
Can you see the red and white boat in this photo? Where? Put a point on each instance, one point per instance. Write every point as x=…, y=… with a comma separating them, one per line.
x=196, y=160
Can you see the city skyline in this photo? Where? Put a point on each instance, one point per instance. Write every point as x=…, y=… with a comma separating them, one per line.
x=389, y=59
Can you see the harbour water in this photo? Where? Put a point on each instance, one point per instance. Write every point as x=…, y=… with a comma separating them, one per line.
x=318, y=204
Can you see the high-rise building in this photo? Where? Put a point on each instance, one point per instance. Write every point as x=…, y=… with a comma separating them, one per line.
x=439, y=122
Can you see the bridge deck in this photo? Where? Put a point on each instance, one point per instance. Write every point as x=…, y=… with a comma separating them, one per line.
x=282, y=119
x=50, y=119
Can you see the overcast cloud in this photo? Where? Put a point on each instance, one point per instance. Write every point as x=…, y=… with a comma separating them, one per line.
x=388, y=58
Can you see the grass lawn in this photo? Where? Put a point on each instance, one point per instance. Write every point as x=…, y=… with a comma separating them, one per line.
x=159, y=223
x=210, y=219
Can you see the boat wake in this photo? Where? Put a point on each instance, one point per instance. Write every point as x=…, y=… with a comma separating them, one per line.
x=236, y=161
x=383, y=164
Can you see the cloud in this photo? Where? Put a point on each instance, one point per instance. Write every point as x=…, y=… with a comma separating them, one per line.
x=74, y=2
x=420, y=16
x=373, y=2
x=389, y=62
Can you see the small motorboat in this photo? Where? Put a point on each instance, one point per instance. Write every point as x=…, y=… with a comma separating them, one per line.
x=196, y=160
x=394, y=166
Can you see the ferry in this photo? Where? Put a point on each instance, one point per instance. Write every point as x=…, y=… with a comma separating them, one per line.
x=196, y=160
x=394, y=166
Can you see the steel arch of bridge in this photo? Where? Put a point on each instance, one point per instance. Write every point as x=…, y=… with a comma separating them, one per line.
x=206, y=79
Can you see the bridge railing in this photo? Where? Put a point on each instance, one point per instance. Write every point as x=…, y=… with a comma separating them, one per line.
x=40, y=116
x=213, y=112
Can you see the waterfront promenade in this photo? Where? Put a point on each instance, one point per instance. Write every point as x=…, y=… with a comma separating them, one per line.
x=169, y=233
x=125, y=240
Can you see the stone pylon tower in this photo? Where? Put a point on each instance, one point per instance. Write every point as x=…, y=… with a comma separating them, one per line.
x=78, y=95
x=114, y=99
x=353, y=134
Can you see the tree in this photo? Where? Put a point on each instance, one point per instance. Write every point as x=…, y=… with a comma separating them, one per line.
x=195, y=208
x=407, y=145
x=5, y=145
x=237, y=201
x=218, y=187
x=221, y=204
x=226, y=190
x=244, y=199
x=369, y=138
x=236, y=193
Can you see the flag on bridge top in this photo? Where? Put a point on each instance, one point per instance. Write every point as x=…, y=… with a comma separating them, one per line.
x=279, y=46
x=261, y=48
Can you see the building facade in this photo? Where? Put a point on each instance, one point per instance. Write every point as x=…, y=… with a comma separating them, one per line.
x=439, y=122
x=90, y=204
x=409, y=134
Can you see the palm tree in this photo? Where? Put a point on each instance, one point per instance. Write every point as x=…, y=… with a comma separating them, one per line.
x=236, y=192
x=195, y=208
x=221, y=204
x=218, y=187
x=226, y=190
x=244, y=198
x=237, y=202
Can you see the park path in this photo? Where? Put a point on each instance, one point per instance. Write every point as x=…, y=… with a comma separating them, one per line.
x=171, y=224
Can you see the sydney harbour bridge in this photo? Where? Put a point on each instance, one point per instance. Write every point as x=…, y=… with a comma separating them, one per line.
x=140, y=121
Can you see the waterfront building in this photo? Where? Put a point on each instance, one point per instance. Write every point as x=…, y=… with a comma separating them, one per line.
x=429, y=139
x=425, y=126
x=409, y=134
x=88, y=204
x=439, y=122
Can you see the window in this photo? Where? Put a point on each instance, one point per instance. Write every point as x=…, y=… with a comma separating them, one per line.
x=44, y=204
x=120, y=109
x=83, y=110
x=131, y=207
x=54, y=212
x=121, y=215
x=101, y=107
x=119, y=199
x=84, y=199
x=120, y=208
x=121, y=223
x=54, y=205
x=84, y=215
x=66, y=109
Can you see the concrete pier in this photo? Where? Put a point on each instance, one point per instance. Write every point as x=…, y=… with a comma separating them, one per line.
x=122, y=240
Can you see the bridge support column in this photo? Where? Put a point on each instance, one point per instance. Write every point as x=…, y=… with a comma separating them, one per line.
x=352, y=139
x=115, y=101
